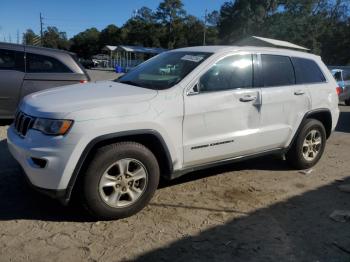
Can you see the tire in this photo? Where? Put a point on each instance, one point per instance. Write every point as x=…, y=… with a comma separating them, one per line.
x=300, y=156
x=110, y=193
x=347, y=102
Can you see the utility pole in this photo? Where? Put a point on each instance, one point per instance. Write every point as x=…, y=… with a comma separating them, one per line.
x=41, y=29
x=205, y=26
x=17, y=36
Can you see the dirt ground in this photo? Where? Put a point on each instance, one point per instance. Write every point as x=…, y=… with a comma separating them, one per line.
x=258, y=210
x=99, y=75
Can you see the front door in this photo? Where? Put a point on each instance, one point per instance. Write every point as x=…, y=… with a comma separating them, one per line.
x=222, y=119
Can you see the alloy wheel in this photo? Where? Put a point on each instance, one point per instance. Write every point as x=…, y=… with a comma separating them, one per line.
x=312, y=145
x=123, y=183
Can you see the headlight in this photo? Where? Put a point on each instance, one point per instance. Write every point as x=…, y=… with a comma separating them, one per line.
x=52, y=126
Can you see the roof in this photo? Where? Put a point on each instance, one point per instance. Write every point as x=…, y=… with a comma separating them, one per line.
x=224, y=49
x=134, y=49
x=110, y=47
x=336, y=70
x=261, y=41
x=7, y=45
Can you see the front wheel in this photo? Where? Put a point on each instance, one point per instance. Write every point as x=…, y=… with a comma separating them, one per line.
x=308, y=146
x=120, y=180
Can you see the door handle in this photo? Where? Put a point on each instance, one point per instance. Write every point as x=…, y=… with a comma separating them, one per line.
x=248, y=98
x=299, y=92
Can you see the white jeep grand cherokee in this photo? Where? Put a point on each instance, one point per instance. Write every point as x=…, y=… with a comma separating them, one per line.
x=183, y=110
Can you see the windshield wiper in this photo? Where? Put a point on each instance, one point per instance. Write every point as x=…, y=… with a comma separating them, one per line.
x=128, y=82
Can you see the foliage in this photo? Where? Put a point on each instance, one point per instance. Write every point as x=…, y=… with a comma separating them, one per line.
x=142, y=29
x=30, y=38
x=321, y=25
x=111, y=34
x=55, y=39
x=87, y=43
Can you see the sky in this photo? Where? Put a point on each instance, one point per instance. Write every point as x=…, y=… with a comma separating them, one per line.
x=74, y=16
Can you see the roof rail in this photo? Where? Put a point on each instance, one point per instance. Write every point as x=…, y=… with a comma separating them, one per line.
x=268, y=42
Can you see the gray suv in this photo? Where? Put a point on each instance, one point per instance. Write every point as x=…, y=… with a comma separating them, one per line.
x=27, y=69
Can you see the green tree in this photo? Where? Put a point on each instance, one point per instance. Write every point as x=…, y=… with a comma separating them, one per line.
x=30, y=38
x=87, y=43
x=53, y=38
x=146, y=15
x=242, y=18
x=212, y=31
x=192, y=32
x=321, y=25
x=313, y=23
x=171, y=14
x=111, y=35
x=142, y=29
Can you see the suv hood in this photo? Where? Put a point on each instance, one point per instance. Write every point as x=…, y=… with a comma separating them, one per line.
x=60, y=102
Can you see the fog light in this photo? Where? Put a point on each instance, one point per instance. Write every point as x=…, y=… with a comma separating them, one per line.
x=38, y=162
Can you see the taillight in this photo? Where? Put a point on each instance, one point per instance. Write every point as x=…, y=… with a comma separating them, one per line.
x=339, y=90
x=83, y=81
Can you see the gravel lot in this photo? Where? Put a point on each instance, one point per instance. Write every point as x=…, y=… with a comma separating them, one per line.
x=98, y=75
x=258, y=210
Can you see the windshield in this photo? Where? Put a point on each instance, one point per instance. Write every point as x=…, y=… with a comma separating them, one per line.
x=164, y=70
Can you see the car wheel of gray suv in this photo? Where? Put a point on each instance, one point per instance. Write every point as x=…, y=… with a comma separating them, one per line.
x=120, y=181
x=347, y=102
x=308, y=146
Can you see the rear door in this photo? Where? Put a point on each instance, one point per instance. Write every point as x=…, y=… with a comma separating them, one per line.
x=45, y=70
x=222, y=119
x=309, y=73
x=284, y=103
x=11, y=79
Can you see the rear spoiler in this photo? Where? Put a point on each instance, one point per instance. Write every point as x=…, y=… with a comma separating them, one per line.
x=74, y=56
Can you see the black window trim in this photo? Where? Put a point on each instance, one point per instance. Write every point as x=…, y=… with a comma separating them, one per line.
x=311, y=83
x=252, y=54
x=45, y=55
x=290, y=57
x=258, y=77
x=262, y=76
x=17, y=68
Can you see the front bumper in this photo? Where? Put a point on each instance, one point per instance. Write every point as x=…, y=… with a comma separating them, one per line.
x=54, y=150
x=60, y=195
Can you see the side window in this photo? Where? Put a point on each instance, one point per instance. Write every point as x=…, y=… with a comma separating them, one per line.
x=229, y=73
x=44, y=64
x=307, y=71
x=11, y=60
x=277, y=70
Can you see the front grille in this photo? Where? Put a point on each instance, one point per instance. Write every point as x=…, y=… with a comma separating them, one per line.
x=23, y=123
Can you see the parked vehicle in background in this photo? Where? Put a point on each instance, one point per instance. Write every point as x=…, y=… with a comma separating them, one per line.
x=88, y=63
x=342, y=76
x=113, y=140
x=27, y=69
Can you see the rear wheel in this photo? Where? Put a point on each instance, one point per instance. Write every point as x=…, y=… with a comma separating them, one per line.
x=308, y=146
x=120, y=180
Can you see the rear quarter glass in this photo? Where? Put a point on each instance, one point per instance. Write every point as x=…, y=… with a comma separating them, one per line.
x=76, y=60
